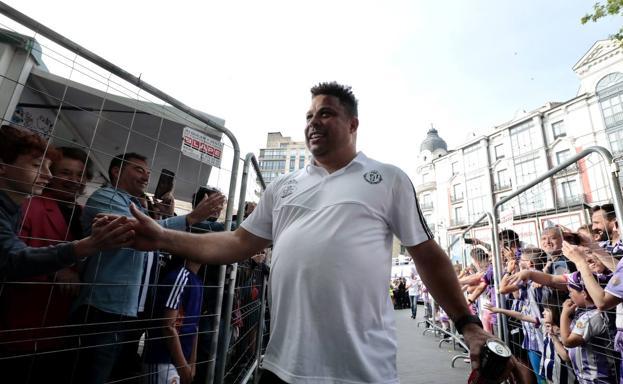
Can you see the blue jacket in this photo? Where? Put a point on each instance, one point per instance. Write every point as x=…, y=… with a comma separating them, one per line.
x=113, y=278
x=17, y=260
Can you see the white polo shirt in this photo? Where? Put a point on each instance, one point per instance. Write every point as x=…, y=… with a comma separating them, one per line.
x=332, y=320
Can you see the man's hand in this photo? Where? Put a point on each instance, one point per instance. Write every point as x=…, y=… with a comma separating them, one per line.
x=475, y=338
x=210, y=206
x=147, y=232
x=69, y=282
x=107, y=232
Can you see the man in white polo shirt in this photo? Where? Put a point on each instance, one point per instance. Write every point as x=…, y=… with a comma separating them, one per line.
x=331, y=225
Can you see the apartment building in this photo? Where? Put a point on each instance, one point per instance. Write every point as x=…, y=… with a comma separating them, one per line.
x=282, y=155
x=455, y=187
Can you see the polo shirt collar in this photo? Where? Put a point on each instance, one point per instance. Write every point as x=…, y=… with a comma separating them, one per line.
x=360, y=158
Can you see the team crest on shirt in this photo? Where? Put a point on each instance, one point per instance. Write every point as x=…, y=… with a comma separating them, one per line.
x=288, y=188
x=615, y=281
x=579, y=325
x=373, y=177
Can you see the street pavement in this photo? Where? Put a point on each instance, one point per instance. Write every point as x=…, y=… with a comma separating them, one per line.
x=420, y=361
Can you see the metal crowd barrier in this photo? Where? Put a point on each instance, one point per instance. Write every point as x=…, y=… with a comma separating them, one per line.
x=232, y=325
x=594, y=160
x=246, y=296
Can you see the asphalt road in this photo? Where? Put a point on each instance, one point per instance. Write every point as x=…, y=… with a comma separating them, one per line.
x=420, y=361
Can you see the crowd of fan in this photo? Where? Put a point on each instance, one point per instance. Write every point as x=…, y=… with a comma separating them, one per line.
x=75, y=299
x=558, y=299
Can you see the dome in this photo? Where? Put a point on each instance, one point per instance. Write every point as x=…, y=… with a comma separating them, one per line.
x=433, y=142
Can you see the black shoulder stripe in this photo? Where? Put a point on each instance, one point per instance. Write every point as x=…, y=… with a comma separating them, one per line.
x=429, y=234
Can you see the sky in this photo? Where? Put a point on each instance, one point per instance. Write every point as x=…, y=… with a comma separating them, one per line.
x=464, y=66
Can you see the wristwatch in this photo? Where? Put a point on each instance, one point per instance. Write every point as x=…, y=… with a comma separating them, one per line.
x=462, y=321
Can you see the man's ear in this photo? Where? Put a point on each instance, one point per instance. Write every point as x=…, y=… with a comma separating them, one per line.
x=114, y=175
x=354, y=124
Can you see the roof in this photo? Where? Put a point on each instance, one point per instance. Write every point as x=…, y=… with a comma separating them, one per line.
x=433, y=142
x=24, y=42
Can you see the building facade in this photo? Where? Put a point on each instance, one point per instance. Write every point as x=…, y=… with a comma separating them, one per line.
x=456, y=187
x=281, y=156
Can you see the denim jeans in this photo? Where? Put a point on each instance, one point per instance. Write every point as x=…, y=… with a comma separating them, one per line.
x=99, y=336
x=413, y=301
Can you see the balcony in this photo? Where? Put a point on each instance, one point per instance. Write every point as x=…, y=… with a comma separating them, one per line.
x=456, y=198
x=562, y=201
x=458, y=221
x=426, y=205
x=426, y=186
x=502, y=186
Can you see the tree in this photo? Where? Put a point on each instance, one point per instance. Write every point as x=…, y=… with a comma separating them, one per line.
x=611, y=8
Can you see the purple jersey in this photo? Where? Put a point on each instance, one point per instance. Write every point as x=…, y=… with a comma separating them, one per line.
x=590, y=364
x=530, y=299
x=615, y=288
x=552, y=367
x=613, y=249
x=490, y=290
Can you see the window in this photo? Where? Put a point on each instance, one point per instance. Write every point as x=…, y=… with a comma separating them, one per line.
x=522, y=138
x=616, y=141
x=503, y=207
x=612, y=108
x=427, y=177
x=428, y=219
x=526, y=171
x=532, y=200
x=499, y=151
x=475, y=197
x=455, y=167
x=458, y=214
x=558, y=129
x=474, y=158
x=568, y=193
x=274, y=154
x=301, y=161
x=562, y=156
x=503, y=180
x=456, y=192
x=292, y=161
x=269, y=165
x=426, y=198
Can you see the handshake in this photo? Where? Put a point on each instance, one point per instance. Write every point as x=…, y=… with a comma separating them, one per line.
x=141, y=232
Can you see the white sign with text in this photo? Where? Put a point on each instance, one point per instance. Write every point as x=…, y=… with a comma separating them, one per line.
x=200, y=146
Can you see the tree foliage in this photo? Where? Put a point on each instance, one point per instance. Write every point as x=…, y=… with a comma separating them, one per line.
x=610, y=8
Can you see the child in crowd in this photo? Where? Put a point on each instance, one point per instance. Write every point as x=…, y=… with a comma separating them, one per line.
x=171, y=348
x=529, y=297
x=584, y=332
x=554, y=355
x=605, y=299
x=481, y=282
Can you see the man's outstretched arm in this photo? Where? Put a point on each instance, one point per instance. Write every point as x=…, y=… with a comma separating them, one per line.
x=438, y=276
x=208, y=248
